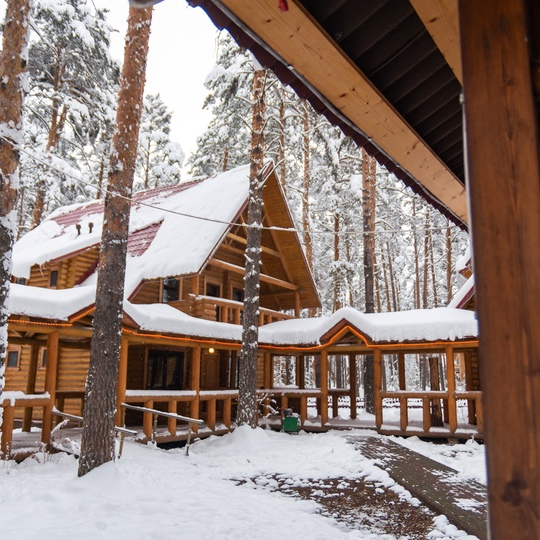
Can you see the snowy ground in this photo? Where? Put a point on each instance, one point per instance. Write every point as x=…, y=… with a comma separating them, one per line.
x=221, y=490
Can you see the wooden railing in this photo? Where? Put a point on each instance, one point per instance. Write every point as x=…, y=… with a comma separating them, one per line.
x=211, y=397
x=286, y=393
x=10, y=401
x=428, y=398
x=170, y=416
x=223, y=310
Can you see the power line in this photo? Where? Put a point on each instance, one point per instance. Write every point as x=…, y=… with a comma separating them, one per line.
x=219, y=221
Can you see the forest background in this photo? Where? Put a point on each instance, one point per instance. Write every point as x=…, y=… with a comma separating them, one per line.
x=69, y=119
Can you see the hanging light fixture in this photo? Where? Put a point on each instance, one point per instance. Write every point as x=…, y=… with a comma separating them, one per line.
x=211, y=350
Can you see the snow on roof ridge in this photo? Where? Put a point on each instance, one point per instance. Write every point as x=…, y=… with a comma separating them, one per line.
x=464, y=294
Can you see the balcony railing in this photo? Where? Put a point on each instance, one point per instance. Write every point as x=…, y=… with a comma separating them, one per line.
x=223, y=310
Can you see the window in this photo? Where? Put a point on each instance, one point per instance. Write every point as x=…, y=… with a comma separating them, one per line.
x=213, y=289
x=53, y=280
x=165, y=370
x=170, y=291
x=13, y=356
x=238, y=294
x=43, y=357
x=20, y=281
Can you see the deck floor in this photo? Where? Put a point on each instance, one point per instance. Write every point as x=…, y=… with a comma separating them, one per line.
x=439, y=487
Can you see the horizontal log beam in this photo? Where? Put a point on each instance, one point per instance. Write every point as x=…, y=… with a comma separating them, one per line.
x=301, y=42
x=267, y=279
x=264, y=249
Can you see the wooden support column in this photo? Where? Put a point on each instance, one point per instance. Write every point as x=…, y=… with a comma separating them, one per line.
x=51, y=375
x=7, y=429
x=31, y=385
x=171, y=422
x=301, y=371
x=353, y=385
x=267, y=366
x=297, y=304
x=377, y=376
x=148, y=419
x=451, y=381
x=504, y=186
x=324, y=387
x=122, y=380
x=401, y=371
x=195, y=384
x=211, y=416
x=227, y=403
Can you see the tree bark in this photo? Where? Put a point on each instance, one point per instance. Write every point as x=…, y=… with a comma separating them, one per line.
x=368, y=208
x=97, y=445
x=13, y=74
x=247, y=380
x=449, y=264
x=306, y=185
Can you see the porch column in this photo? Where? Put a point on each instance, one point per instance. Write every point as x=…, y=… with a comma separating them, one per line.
x=267, y=383
x=503, y=168
x=353, y=385
x=451, y=388
x=122, y=380
x=51, y=375
x=324, y=387
x=195, y=384
x=31, y=385
x=377, y=387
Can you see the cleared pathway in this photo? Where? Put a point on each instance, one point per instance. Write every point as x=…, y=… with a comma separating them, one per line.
x=439, y=487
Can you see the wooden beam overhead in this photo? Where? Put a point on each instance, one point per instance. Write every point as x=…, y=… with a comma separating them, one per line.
x=264, y=249
x=441, y=19
x=267, y=279
x=301, y=42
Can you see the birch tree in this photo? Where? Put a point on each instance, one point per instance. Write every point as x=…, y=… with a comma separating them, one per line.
x=97, y=445
x=12, y=90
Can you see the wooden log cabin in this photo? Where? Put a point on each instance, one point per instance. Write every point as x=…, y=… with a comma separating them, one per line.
x=182, y=332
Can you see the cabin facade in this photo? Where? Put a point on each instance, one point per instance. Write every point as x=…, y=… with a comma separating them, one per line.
x=182, y=329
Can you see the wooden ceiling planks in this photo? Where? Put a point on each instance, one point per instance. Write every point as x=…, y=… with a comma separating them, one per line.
x=299, y=40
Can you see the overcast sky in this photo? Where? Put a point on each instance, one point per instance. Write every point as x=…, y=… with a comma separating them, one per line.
x=182, y=52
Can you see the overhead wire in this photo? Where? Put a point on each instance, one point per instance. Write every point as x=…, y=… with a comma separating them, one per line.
x=214, y=220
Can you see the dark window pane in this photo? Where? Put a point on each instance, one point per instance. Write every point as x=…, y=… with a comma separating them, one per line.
x=213, y=290
x=13, y=359
x=238, y=295
x=54, y=278
x=170, y=290
x=44, y=358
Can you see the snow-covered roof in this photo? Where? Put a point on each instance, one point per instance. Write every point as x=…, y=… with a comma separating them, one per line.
x=439, y=324
x=173, y=229
x=464, y=262
x=464, y=294
x=58, y=305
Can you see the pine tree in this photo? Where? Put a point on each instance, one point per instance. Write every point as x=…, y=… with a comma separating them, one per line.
x=73, y=82
x=12, y=90
x=159, y=159
x=97, y=444
x=247, y=379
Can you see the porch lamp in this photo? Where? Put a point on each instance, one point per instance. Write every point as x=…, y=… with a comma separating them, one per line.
x=211, y=350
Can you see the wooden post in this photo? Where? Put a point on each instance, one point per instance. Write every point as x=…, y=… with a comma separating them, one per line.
x=324, y=387
x=297, y=304
x=301, y=371
x=451, y=379
x=401, y=371
x=353, y=385
x=267, y=366
x=7, y=429
x=147, y=419
x=426, y=414
x=122, y=380
x=171, y=422
x=435, y=384
x=303, y=409
x=31, y=385
x=501, y=119
x=227, y=403
x=195, y=384
x=377, y=375
x=51, y=375
x=211, y=417
x=403, y=413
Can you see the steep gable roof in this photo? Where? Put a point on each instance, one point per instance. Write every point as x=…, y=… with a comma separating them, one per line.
x=174, y=230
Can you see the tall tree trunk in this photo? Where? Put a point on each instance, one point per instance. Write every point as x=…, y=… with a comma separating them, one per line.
x=281, y=155
x=392, y=278
x=449, y=268
x=376, y=282
x=433, y=272
x=416, y=260
x=247, y=381
x=337, y=270
x=13, y=74
x=58, y=120
x=368, y=210
x=306, y=185
x=97, y=445
x=426, y=263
